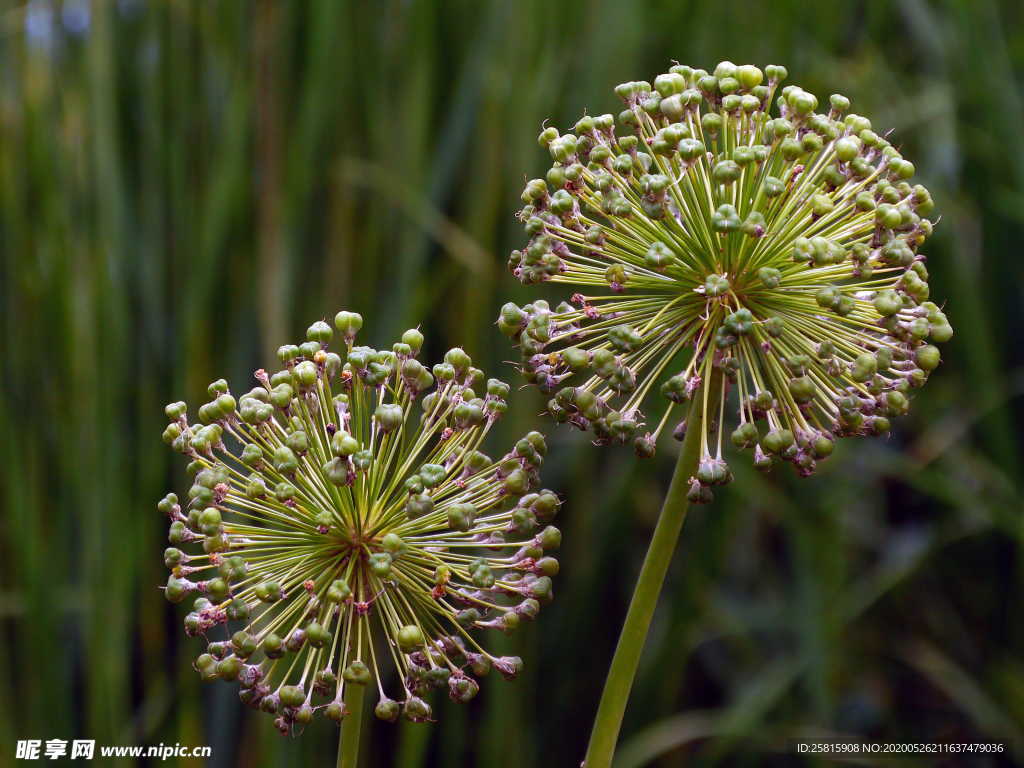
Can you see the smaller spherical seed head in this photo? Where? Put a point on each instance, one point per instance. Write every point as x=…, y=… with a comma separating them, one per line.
x=705, y=237
x=343, y=515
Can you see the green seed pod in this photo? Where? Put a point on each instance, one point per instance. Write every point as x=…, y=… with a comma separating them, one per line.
x=822, y=447
x=549, y=538
x=292, y=695
x=255, y=487
x=229, y=668
x=206, y=665
x=343, y=444
x=716, y=285
x=237, y=610
x=268, y=591
x=210, y=521
x=802, y=389
x=357, y=672
x=387, y=710
x=726, y=172
x=298, y=441
x=863, y=367
x=337, y=471
x=284, y=491
x=332, y=365
x=285, y=460
x=777, y=441
x=927, y=357
x=462, y=516
x=393, y=544
x=389, y=416
x=548, y=566
x=349, y=324
x=316, y=636
x=339, y=591
x=244, y=644
x=272, y=646
x=320, y=332
x=516, y=482
x=416, y=709
x=418, y=505
x=380, y=564
x=287, y=353
x=177, y=589
x=410, y=638
x=887, y=302
x=745, y=435
x=173, y=557
x=217, y=589
x=432, y=475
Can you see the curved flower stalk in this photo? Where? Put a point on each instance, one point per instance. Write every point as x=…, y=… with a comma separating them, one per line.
x=761, y=269
x=343, y=521
x=697, y=231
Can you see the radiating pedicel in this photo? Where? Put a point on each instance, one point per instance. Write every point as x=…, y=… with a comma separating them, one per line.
x=343, y=520
x=699, y=232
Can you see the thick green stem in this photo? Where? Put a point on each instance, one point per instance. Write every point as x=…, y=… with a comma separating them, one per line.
x=608, y=721
x=348, y=745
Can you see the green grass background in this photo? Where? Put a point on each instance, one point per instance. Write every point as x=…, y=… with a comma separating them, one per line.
x=186, y=184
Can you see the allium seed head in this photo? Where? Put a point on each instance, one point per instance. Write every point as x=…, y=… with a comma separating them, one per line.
x=701, y=235
x=343, y=519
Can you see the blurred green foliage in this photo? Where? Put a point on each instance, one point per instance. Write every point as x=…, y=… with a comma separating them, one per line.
x=186, y=184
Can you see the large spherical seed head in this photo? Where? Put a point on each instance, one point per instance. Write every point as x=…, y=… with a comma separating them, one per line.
x=721, y=227
x=336, y=503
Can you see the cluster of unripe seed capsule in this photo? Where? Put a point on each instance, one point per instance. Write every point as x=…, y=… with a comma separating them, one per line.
x=704, y=237
x=343, y=518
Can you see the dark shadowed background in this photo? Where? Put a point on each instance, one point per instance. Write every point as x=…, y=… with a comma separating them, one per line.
x=185, y=185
